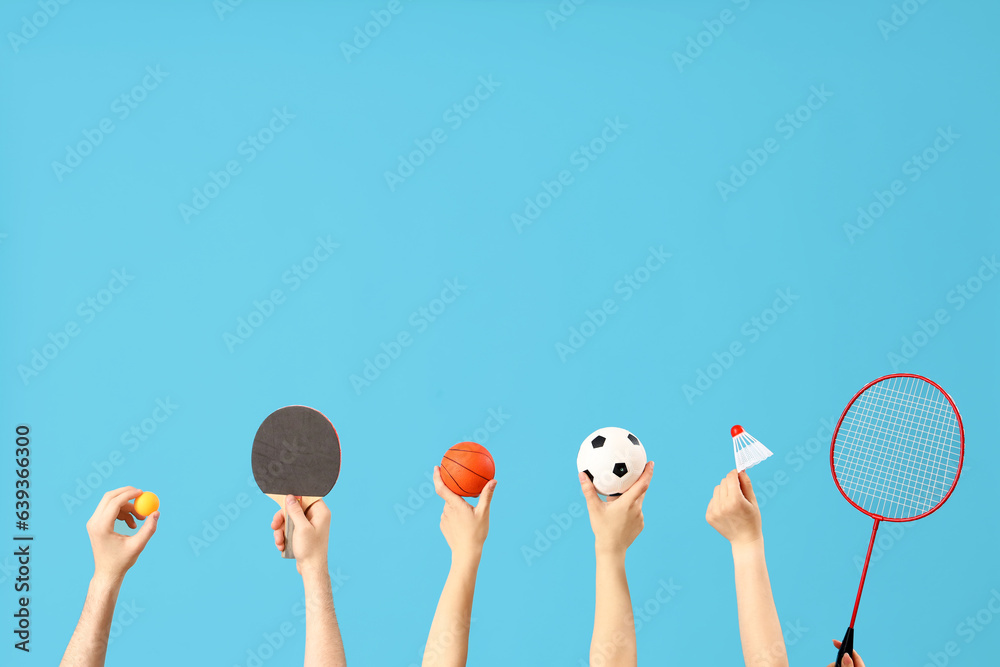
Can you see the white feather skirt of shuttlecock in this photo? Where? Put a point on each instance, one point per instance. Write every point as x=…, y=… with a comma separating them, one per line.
x=749, y=451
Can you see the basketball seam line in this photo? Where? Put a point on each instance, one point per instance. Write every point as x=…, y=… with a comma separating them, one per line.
x=453, y=479
x=464, y=468
x=473, y=451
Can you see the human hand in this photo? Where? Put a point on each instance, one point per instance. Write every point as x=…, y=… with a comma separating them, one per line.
x=464, y=527
x=114, y=554
x=617, y=521
x=847, y=661
x=312, y=533
x=733, y=510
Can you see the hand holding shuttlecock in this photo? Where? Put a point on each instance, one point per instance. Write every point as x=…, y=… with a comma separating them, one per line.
x=748, y=449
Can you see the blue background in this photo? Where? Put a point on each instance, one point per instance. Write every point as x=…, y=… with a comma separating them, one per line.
x=495, y=346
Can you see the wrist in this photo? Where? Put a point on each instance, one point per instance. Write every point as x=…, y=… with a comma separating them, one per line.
x=314, y=569
x=106, y=581
x=748, y=548
x=466, y=558
x=610, y=553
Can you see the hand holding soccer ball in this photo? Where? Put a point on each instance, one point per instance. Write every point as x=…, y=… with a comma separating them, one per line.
x=618, y=521
x=612, y=462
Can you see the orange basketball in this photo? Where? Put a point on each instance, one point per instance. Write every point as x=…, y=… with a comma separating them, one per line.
x=466, y=468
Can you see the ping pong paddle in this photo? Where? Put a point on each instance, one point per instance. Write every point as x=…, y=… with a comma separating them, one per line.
x=296, y=451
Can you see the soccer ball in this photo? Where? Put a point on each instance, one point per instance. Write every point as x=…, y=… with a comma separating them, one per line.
x=613, y=458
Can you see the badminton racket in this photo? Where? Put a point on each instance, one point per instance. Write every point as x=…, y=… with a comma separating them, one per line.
x=896, y=456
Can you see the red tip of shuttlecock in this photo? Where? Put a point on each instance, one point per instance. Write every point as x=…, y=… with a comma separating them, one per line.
x=736, y=430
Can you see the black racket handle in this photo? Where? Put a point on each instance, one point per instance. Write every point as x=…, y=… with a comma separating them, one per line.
x=846, y=647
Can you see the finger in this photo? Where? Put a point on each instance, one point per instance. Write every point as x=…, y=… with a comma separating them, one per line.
x=130, y=509
x=847, y=662
x=717, y=494
x=857, y=659
x=279, y=536
x=318, y=510
x=115, y=504
x=637, y=490
x=106, y=498
x=442, y=489
x=731, y=486
x=836, y=644
x=147, y=530
x=485, y=498
x=318, y=514
x=637, y=503
x=129, y=521
x=278, y=522
x=295, y=512
x=746, y=487
x=589, y=491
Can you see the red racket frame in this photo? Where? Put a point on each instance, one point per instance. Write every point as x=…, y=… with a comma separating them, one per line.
x=878, y=518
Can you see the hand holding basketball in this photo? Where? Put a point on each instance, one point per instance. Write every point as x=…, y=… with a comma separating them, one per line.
x=464, y=527
x=466, y=468
x=617, y=521
x=312, y=533
x=114, y=554
x=733, y=510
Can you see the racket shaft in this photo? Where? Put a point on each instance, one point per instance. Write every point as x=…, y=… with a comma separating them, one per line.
x=847, y=646
x=864, y=572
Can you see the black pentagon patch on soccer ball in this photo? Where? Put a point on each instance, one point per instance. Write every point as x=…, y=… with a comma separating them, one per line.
x=620, y=470
x=587, y=472
x=598, y=441
x=635, y=440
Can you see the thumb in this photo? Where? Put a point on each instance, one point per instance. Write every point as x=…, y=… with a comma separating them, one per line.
x=638, y=490
x=746, y=487
x=146, y=532
x=449, y=496
x=847, y=662
x=295, y=513
x=485, y=498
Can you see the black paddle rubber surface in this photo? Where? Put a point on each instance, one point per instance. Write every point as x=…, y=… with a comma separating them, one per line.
x=296, y=451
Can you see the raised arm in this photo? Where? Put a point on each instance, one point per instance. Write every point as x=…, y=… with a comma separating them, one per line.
x=734, y=513
x=114, y=554
x=616, y=524
x=324, y=647
x=465, y=529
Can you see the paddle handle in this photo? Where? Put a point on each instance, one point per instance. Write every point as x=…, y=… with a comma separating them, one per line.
x=289, y=529
x=305, y=502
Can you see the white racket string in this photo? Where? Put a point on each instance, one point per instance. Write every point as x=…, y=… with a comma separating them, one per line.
x=898, y=449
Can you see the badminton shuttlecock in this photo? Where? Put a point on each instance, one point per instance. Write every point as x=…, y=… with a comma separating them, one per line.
x=748, y=449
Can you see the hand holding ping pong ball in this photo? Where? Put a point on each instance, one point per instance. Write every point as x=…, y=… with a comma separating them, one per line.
x=147, y=503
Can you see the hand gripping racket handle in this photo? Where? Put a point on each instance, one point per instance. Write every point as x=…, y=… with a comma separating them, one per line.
x=289, y=529
x=846, y=646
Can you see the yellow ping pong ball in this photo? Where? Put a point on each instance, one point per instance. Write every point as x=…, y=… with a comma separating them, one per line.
x=147, y=503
